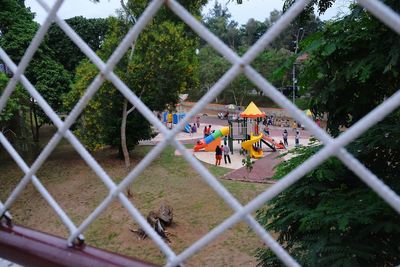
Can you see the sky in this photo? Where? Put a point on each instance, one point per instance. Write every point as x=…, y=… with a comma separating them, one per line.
x=257, y=9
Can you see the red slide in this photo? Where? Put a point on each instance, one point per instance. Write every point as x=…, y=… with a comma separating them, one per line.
x=271, y=141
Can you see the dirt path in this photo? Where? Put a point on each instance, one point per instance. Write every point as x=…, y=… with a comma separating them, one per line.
x=263, y=170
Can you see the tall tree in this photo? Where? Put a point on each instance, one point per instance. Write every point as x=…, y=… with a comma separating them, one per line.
x=162, y=66
x=252, y=31
x=92, y=31
x=219, y=22
x=45, y=73
x=308, y=23
x=355, y=61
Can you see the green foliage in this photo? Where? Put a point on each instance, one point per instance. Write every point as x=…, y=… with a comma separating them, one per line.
x=248, y=163
x=274, y=63
x=16, y=27
x=219, y=22
x=302, y=103
x=330, y=217
x=165, y=64
x=13, y=116
x=162, y=65
x=44, y=72
x=353, y=66
x=320, y=5
x=92, y=31
x=17, y=101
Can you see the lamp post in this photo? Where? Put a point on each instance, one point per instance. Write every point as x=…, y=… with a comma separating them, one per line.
x=298, y=38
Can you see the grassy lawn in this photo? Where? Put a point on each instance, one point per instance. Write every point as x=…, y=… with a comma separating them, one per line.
x=169, y=179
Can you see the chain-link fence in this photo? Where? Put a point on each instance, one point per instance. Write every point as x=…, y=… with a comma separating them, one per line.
x=332, y=147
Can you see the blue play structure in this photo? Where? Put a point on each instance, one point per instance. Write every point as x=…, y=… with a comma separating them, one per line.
x=175, y=119
x=187, y=128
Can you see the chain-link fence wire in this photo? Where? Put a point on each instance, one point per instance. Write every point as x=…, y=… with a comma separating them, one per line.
x=332, y=147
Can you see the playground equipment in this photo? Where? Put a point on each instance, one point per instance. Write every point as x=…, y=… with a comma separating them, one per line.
x=245, y=130
x=210, y=142
x=174, y=119
x=252, y=116
x=249, y=122
x=170, y=118
x=271, y=143
x=250, y=145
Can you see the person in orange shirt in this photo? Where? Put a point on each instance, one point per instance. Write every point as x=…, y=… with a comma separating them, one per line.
x=218, y=155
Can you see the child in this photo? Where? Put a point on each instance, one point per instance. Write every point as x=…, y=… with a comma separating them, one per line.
x=285, y=136
x=198, y=121
x=297, y=138
x=266, y=130
x=218, y=155
x=226, y=151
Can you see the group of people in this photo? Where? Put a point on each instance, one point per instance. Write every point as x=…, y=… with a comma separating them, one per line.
x=207, y=131
x=218, y=154
x=192, y=128
x=269, y=120
x=196, y=125
x=285, y=135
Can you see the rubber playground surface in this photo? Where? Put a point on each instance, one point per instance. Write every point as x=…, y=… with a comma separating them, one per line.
x=263, y=169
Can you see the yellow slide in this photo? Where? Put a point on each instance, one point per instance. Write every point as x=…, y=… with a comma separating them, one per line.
x=248, y=145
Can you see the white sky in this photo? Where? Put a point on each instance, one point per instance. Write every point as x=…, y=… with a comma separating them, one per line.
x=257, y=9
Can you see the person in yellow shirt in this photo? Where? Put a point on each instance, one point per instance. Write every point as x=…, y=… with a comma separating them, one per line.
x=294, y=126
x=170, y=120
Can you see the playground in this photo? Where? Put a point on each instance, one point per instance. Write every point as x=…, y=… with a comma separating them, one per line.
x=244, y=134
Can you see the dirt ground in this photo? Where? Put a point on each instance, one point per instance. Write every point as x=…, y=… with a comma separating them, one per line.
x=197, y=208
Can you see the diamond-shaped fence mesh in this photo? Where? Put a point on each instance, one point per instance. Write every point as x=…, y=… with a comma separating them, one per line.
x=332, y=147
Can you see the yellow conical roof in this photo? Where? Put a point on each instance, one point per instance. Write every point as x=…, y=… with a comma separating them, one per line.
x=252, y=111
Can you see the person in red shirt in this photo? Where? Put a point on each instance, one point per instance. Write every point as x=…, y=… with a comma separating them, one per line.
x=209, y=130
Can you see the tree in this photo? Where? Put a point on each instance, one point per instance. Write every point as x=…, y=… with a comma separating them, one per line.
x=92, y=31
x=269, y=64
x=218, y=22
x=310, y=24
x=252, y=31
x=162, y=66
x=354, y=60
x=212, y=67
x=12, y=117
x=330, y=217
x=46, y=74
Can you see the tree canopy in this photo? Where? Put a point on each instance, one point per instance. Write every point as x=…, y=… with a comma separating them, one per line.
x=353, y=61
x=272, y=63
x=92, y=31
x=44, y=71
x=163, y=64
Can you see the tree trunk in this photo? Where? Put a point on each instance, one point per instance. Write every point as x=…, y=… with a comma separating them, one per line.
x=124, y=147
x=34, y=122
x=234, y=97
x=123, y=135
x=31, y=121
x=132, y=18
